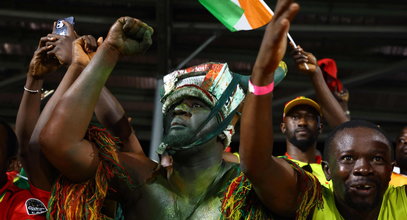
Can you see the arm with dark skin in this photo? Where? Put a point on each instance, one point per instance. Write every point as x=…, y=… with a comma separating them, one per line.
x=230, y=157
x=62, y=139
x=44, y=175
x=108, y=111
x=40, y=171
x=274, y=180
x=29, y=113
x=111, y=114
x=331, y=109
x=29, y=110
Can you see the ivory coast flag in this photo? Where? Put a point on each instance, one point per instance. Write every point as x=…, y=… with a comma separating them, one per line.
x=239, y=15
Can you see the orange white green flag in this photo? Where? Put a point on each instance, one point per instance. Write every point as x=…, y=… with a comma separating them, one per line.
x=239, y=15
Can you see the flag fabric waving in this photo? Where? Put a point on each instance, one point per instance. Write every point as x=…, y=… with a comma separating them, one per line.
x=239, y=15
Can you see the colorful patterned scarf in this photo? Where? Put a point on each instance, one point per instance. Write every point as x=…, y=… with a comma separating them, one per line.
x=241, y=202
x=84, y=200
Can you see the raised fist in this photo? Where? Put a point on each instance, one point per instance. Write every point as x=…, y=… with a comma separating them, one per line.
x=306, y=62
x=84, y=48
x=129, y=36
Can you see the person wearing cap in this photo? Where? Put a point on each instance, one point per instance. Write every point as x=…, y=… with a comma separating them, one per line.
x=302, y=117
x=198, y=105
x=302, y=125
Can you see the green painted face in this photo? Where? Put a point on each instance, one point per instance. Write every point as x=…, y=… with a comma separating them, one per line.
x=184, y=119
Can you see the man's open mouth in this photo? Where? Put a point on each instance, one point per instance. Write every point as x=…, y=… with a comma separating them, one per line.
x=363, y=188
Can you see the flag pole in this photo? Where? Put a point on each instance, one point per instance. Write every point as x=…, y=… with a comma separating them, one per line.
x=295, y=45
x=292, y=41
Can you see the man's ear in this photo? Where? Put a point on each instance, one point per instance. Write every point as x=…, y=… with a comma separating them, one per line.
x=392, y=164
x=221, y=137
x=282, y=127
x=327, y=171
x=320, y=127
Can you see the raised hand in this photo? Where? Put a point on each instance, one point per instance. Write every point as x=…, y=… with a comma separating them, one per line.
x=42, y=63
x=256, y=127
x=274, y=42
x=129, y=36
x=62, y=44
x=333, y=112
x=342, y=96
x=302, y=57
x=84, y=48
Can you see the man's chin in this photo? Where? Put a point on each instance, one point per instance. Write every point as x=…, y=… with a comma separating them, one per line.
x=363, y=203
x=303, y=144
x=177, y=141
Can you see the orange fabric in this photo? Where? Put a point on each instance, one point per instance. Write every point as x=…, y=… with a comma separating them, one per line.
x=211, y=76
x=255, y=13
x=398, y=179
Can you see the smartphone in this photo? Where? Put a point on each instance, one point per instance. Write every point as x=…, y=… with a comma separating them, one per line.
x=61, y=28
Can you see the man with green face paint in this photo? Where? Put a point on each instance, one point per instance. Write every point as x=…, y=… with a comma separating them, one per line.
x=198, y=105
x=198, y=102
x=207, y=83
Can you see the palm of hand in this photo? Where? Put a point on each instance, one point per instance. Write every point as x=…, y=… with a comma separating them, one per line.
x=274, y=42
